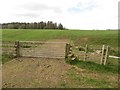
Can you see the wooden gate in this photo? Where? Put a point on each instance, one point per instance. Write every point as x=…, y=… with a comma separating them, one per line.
x=41, y=49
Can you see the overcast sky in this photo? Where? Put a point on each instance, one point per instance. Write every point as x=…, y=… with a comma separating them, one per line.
x=73, y=14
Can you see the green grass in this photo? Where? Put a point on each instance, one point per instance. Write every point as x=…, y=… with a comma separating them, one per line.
x=79, y=37
x=6, y=58
x=90, y=74
x=94, y=67
x=88, y=81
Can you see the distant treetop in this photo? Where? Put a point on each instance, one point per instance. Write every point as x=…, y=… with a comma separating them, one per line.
x=35, y=25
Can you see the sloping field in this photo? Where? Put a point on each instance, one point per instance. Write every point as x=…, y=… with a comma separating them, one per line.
x=79, y=37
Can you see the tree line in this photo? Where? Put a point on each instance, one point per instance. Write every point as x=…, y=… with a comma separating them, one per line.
x=35, y=25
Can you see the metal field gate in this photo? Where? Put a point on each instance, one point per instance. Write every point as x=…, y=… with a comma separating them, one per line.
x=41, y=49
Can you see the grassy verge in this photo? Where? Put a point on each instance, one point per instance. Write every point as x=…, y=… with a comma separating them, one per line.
x=93, y=75
x=6, y=58
x=91, y=66
x=87, y=80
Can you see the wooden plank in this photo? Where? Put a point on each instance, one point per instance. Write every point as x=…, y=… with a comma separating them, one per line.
x=86, y=50
x=114, y=57
x=44, y=42
x=8, y=45
x=102, y=55
x=29, y=56
x=106, y=55
x=17, y=43
x=67, y=49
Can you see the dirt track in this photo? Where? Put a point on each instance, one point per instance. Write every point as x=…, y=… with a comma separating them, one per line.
x=36, y=72
x=31, y=72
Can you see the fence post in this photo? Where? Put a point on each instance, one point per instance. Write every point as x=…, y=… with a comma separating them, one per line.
x=106, y=55
x=86, y=50
x=67, y=50
x=102, y=55
x=17, y=46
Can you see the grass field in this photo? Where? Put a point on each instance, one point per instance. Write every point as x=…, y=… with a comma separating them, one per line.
x=79, y=37
x=94, y=38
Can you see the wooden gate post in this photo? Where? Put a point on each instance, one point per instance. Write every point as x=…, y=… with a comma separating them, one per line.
x=17, y=46
x=106, y=55
x=102, y=55
x=67, y=50
x=86, y=50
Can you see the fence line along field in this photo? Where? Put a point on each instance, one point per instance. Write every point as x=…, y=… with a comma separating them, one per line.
x=93, y=38
x=68, y=56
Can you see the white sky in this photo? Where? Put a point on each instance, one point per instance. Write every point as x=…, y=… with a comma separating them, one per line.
x=73, y=14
